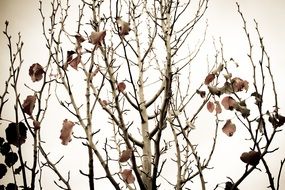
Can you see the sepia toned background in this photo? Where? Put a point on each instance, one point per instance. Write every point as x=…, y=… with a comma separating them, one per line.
x=223, y=21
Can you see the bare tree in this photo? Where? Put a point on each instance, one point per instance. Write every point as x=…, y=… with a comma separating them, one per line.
x=122, y=73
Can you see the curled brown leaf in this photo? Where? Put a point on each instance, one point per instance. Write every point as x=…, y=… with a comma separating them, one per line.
x=209, y=78
x=229, y=128
x=210, y=106
x=97, y=37
x=123, y=26
x=251, y=157
x=126, y=155
x=36, y=72
x=29, y=104
x=66, y=131
x=238, y=84
x=127, y=176
x=121, y=86
x=228, y=102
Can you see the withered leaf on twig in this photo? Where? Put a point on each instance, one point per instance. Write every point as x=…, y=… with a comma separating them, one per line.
x=228, y=102
x=16, y=134
x=124, y=27
x=209, y=78
x=127, y=176
x=79, y=38
x=75, y=62
x=238, y=84
x=276, y=120
x=210, y=106
x=36, y=72
x=121, y=86
x=251, y=157
x=97, y=37
x=229, y=128
x=29, y=104
x=126, y=155
x=66, y=131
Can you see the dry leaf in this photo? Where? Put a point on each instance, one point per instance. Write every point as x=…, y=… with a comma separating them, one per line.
x=121, y=86
x=79, y=38
x=16, y=134
x=104, y=102
x=215, y=90
x=228, y=102
x=29, y=104
x=209, y=78
x=36, y=72
x=238, y=84
x=126, y=155
x=66, y=131
x=210, y=106
x=123, y=26
x=229, y=128
x=69, y=55
x=127, y=176
x=75, y=62
x=97, y=37
x=276, y=120
x=229, y=186
x=251, y=157
x=241, y=107
x=36, y=124
x=201, y=93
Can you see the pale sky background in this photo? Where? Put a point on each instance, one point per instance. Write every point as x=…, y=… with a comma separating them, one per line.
x=225, y=22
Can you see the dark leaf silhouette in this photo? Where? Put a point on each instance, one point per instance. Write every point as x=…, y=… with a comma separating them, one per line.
x=2, y=187
x=201, y=93
x=229, y=186
x=258, y=98
x=29, y=104
x=16, y=134
x=251, y=157
x=3, y=170
x=1, y=140
x=69, y=55
x=10, y=159
x=36, y=72
x=18, y=170
x=5, y=148
x=276, y=120
x=12, y=186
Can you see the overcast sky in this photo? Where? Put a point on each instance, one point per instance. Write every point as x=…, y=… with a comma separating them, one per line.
x=224, y=22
